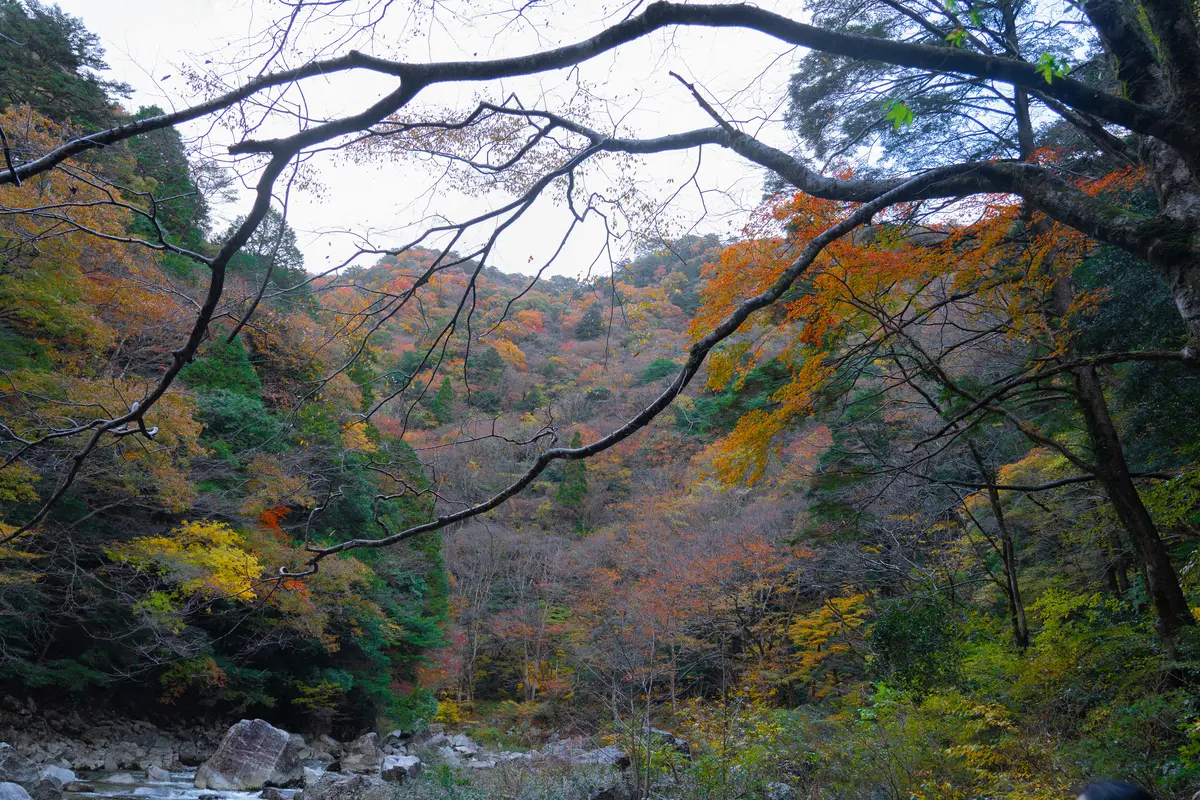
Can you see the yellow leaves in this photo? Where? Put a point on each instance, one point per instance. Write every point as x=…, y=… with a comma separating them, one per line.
x=140, y=466
x=823, y=632
x=1035, y=465
x=204, y=557
x=354, y=438
x=16, y=484
x=511, y=354
x=728, y=363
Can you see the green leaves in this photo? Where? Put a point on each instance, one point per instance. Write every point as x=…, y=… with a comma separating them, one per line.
x=1051, y=66
x=898, y=113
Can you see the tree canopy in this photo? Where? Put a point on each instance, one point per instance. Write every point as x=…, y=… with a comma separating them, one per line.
x=890, y=486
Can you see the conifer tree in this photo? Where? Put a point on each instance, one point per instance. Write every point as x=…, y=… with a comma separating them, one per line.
x=591, y=325
x=574, y=487
x=442, y=405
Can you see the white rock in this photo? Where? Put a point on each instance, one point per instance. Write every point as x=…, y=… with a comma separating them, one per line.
x=463, y=744
x=313, y=774
x=121, y=777
x=11, y=791
x=62, y=774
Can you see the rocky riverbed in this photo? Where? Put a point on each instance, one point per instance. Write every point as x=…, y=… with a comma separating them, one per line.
x=51, y=755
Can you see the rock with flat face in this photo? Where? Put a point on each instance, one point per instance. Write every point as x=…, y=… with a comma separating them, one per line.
x=463, y=745
x=397, y=769
x=253, y=754
x=16, y=768
x=362, y=755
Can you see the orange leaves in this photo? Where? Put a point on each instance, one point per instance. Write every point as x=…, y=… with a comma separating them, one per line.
x=743, y=455
x=530, y=319
x=271, y=518
x=877, y=291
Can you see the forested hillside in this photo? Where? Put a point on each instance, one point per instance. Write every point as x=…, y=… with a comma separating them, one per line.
x=926, y=524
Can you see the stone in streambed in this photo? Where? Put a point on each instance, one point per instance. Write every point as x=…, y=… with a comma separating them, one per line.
x=253, y=753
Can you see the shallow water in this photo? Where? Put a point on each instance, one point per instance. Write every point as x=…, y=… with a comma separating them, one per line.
x=181, y=786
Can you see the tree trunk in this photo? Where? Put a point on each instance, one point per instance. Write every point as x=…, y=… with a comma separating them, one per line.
x=1162, y=584
x=1116, y=570
x=1008, y=555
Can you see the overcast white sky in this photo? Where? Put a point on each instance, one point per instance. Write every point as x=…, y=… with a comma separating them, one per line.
x=148, y=40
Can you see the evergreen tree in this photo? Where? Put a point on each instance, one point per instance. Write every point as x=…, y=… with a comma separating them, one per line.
x=272, y=243
x=48, y=60
x=442, y=404
x=485, y=368
x=573, y=490
x=161, y=156
x=591, y=325
x=224, y=366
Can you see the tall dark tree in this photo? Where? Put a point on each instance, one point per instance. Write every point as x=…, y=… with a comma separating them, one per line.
x=573, y=489
x=591, y=324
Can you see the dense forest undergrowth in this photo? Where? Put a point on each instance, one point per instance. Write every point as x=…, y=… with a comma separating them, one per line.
x=928, y=526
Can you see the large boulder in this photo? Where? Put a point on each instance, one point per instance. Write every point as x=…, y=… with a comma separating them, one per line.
x=362, y=755
x=253, y=754
x=11, y=791
x=347, y=787
x=16, y=768
x=397, y=769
